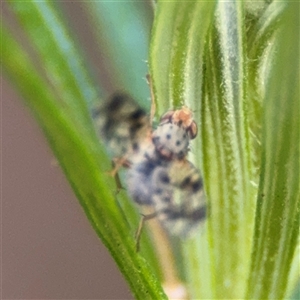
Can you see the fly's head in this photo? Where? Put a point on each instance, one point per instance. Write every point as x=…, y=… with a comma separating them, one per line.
x=183, y=118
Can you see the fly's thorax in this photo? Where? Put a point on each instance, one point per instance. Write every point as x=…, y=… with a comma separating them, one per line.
x=171, y=140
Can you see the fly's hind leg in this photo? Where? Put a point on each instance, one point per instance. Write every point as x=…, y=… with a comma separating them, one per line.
x=138, y=233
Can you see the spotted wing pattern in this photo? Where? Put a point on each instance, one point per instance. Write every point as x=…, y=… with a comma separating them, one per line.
x=178, y=197
x=122, y=123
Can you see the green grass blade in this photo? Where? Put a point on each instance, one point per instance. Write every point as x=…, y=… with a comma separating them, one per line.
x=226, y=152
x=48, y=34
x=260, y=39
x=176, y=55
x=176, y=60
x=277, y=220
x=84, y=163
x=294, y=280
x=176, y=72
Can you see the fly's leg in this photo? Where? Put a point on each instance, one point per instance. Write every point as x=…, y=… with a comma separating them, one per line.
x=117, y=163
x=138, y=233
x=153, y=104
x=117, y=179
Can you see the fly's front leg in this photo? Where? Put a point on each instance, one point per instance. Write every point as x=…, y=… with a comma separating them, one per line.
x=117, y=178
x=117, y=163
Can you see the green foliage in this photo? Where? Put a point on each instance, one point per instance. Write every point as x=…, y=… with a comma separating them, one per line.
x=277, y=217
x=56, y=97
x=236, y=64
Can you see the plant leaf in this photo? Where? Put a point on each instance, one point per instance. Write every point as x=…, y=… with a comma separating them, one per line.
x=278, y=206
x=260, y=38
x=176, y=65
x=74, y=142
x=67, y=76
x=226, y=150
x=175, y=58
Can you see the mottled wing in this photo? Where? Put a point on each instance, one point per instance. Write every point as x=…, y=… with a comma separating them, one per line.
x=178, y=197
x=122, y=123
x=139, y=180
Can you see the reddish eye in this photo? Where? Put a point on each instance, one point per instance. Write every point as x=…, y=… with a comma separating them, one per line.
x=193, y=130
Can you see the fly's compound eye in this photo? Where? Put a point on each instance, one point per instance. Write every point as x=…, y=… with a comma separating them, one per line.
x=192, y=130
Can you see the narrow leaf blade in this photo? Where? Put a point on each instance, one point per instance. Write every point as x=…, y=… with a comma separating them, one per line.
x=277, y=220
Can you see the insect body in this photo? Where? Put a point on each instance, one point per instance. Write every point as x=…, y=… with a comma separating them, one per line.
x=123, y=124
x=159, y=175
